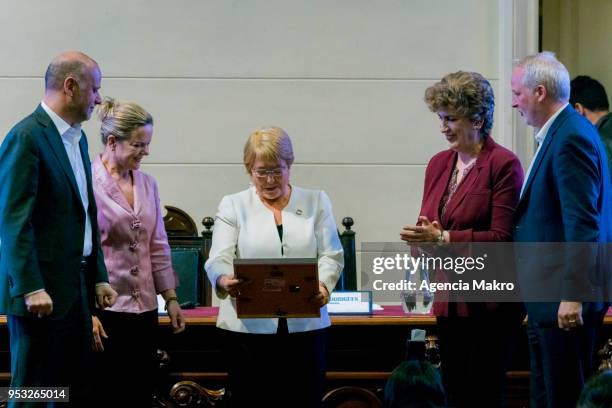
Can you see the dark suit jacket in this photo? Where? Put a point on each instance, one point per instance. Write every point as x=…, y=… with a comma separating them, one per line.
x=566, y=199
x=604, y=127
x=482, y=208
x=42, y=220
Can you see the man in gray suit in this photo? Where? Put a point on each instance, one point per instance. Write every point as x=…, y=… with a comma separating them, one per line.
x=51, y=265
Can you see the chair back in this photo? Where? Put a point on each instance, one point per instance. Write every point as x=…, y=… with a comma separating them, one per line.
x=185, y=243
x=187, y=266
x=348, y=277
x=351, y=397
x=178, y=223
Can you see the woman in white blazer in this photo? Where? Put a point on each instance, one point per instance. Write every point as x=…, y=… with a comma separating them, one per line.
x=270, y=358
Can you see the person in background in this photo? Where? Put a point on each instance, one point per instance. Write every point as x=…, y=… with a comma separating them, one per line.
x=470, y=194
x=415, y=384
x=51, y=265
x=274, y=219
x=589, y=98
x=597, y=392
x=137, y=256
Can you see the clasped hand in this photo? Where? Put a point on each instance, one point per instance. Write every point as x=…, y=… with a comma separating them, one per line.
x=425, y=231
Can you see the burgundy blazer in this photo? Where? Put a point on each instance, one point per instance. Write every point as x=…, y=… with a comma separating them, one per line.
x=482, y=208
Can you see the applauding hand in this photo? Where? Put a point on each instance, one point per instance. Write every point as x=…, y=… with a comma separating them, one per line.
x=426, y=231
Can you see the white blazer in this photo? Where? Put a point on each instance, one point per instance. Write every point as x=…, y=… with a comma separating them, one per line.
x=245, y=228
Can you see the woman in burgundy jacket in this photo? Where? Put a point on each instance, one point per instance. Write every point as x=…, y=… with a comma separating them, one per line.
x=471, y=191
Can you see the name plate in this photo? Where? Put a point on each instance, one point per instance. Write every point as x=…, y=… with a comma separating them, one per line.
x=350, y=302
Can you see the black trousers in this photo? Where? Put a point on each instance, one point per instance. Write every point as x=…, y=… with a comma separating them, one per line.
x=561, y=361
x=475, y=353
x=276, y=370
x=48, y=352
x=126, y=370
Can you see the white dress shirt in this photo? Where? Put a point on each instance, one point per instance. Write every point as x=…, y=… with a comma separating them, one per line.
x=540, y=137
x=70, y=138
x=245, y=228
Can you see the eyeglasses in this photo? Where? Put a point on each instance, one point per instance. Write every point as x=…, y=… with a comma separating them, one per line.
x=264, y=173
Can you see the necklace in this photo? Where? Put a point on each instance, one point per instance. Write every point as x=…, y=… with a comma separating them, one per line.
x=462, y=166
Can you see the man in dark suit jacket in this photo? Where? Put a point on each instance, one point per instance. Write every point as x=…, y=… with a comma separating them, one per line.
x=589, y=98
x=565, y=199
x=51, y=265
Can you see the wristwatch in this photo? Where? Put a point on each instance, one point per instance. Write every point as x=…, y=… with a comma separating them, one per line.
x=170, y=299
x=440, y=239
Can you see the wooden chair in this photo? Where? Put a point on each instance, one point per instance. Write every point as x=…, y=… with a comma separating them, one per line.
x=188, y=266
x=351, y=397
x=606, y=356
x=191, y=394
x=183, y=237
x=186, y=394
x=348, y=278
x=178, y=223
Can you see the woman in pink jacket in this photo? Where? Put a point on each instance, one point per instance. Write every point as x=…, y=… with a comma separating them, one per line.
x=137, y=256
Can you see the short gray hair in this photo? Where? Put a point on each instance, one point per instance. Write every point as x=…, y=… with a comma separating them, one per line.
x=545, y=69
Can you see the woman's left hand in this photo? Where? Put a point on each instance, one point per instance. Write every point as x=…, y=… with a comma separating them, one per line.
x=176, y=317
x=425, y=232
x=322, y=298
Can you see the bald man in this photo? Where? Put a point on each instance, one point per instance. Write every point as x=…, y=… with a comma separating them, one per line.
x=51, y=266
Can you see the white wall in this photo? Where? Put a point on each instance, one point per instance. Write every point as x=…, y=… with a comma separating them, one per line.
x=345, y=78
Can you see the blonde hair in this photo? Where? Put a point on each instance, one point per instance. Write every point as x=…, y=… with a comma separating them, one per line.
x=120, y=119
x=468, y=94
x=270, y=145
